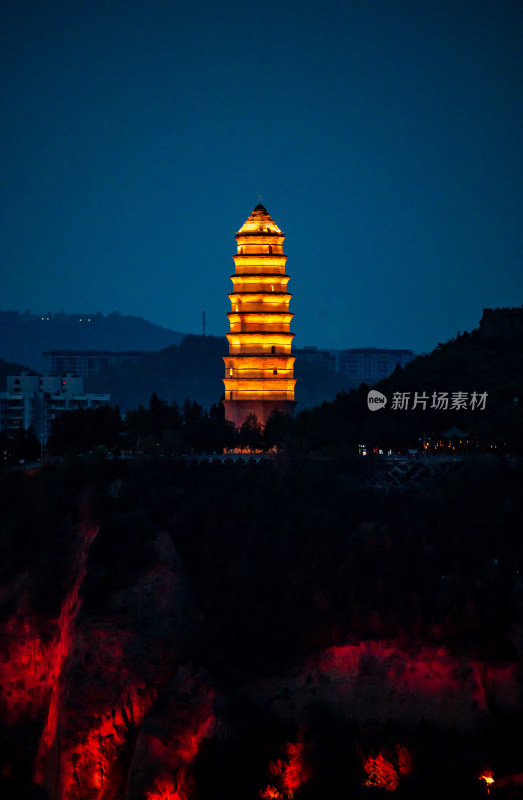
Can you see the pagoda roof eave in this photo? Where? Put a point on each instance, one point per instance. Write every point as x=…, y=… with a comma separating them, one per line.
x=269, y=356
x=260, y=274
x=267, y=334
x=247, y=312
x=241, y=234
x=269, y=294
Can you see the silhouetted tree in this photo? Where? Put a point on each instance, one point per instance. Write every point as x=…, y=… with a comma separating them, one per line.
x=195, y=425
x=251, y=433
x=222, y=433
x=276, y=429
x=81, y=430
x=22, y=445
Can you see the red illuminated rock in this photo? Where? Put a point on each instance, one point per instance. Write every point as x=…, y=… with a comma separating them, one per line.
x=377, y=681
x=380, y=773
x=90, y=680
x=289, y=773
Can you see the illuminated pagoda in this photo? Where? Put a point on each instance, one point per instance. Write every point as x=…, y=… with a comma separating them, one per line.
x=259, y=368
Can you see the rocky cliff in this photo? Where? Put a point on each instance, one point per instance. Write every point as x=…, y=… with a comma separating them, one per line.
x=120, y=680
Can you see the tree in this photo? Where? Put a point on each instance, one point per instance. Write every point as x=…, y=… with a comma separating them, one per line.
x=195, y=425
x=276, y=429
x=222, y=432
x=251, y=433
x=82, y=430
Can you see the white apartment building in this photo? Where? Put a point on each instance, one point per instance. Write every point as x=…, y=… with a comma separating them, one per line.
x=35, y=400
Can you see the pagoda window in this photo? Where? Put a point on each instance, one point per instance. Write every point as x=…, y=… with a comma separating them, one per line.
x=273, y=349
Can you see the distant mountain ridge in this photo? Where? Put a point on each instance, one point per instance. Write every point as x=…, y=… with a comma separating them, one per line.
x=24, y=337
x=174, y=365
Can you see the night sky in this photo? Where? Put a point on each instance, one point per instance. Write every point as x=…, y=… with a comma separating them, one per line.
x=384, y=137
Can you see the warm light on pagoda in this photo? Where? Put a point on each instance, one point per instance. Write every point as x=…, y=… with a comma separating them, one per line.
x=259, y=373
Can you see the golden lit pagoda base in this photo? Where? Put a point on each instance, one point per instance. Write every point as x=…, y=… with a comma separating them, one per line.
x=237, y=411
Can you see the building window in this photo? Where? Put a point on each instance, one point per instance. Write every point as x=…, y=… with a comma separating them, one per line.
x=230, y=395
x=275, y=372
x=273, y=349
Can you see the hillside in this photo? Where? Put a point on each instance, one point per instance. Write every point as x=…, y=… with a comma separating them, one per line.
x=470, y=363
x=218, y=627
x=24, y=337
x=195, y=369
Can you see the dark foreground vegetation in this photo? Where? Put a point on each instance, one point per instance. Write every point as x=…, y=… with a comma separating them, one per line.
x=274, y=563
x=313, y=624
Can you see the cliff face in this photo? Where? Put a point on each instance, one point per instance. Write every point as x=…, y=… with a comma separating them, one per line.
x=106, y=709
x=374, y=681
x=144, y=647
x=97, y=699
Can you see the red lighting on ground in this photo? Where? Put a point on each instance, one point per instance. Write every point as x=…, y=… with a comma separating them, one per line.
x=488, y=779
x=287, y=774
x=165, y=789
x=271, y=793
x=381, y=773
x=404, y=760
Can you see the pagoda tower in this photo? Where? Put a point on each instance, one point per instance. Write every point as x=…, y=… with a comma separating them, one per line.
x=259, y=368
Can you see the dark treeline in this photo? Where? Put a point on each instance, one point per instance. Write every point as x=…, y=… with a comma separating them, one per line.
x=162, y=429
x=468, y=364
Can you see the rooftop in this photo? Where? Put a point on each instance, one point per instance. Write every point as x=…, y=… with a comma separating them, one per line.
x=260, y=221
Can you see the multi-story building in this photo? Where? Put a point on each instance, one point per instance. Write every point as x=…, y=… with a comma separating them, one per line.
x=360, y=364
x=259, y=375
x=35, y=400
x=371, y=364
x=86, y=362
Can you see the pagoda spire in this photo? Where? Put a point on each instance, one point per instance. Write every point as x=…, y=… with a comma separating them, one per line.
x=259, y=375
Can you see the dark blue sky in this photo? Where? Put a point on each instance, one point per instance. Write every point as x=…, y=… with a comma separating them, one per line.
x=385, y=137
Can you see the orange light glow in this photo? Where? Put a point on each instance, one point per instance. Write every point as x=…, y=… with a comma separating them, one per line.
x=257, y=261
x=271, y=793
x=381, y=773
x=259, y=325
x=488, y=779
x=248, y=283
